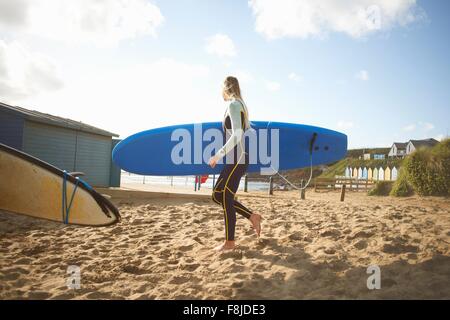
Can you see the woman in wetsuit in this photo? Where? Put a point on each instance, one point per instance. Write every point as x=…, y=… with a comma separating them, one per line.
x=236, y=160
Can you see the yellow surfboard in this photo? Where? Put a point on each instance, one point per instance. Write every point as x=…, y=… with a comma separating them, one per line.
x=35, y=188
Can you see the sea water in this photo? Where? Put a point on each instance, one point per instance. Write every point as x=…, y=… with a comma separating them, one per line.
x=184, y=181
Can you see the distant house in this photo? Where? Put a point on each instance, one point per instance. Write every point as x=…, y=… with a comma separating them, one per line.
x=67, y=144
x=366, y=156
x=416, y=144
x=398, y=150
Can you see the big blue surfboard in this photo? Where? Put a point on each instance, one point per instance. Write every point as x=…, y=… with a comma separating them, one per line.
x=152, y=152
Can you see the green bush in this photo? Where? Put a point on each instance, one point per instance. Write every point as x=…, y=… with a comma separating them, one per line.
x=441, y=156
x=401, y=187
x=382, y=188
x=428, y=170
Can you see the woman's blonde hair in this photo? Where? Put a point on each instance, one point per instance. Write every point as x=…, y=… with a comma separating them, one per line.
x=232, y=89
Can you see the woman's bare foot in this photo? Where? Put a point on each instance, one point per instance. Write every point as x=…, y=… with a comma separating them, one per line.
x=227, y=245
x=255, y=219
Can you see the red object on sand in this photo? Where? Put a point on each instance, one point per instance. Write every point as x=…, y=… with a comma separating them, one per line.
x=202, y=180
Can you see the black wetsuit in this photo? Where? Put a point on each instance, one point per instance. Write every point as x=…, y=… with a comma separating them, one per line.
x=228, y=181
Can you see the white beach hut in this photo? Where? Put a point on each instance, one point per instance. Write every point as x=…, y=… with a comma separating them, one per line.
x=380, y=174
x=364, y=173
x=360, y=173
x=387, y=174
x=394, y=174
x=347, y=172
x=375, y=174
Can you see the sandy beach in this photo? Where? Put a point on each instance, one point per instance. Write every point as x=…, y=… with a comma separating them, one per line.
x=318, y=248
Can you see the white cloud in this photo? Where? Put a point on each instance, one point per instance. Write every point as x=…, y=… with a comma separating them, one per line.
x=345, y=124
x=410, y=127
x=25, y=74
x=305, y=18
x=101, y=22
x=273, y=86
x=13, y=13
x=424, y=126
x=362, y=75
x=294, y=77
x=138, y=97
x=427, y=126
x=220, y=45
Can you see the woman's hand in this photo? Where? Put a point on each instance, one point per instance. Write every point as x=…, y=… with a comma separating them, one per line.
x=212, y=161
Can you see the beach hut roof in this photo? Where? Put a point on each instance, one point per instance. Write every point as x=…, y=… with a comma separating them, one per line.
x=46, y=118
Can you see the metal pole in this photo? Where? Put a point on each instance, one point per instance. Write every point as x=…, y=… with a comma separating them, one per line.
x=271, y=185
x=302, y=191
x=343, y=192
x=246, y=183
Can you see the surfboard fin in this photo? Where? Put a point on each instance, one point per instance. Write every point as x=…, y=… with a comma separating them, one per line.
x=311, y=142
x=76, y=174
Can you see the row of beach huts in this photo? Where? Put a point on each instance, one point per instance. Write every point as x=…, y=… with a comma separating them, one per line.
x=398, y=150
x=376, y=174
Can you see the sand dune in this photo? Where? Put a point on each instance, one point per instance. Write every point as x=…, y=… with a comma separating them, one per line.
x=317, y=248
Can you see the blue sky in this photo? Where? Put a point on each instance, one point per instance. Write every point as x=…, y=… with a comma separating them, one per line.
x=143, y=64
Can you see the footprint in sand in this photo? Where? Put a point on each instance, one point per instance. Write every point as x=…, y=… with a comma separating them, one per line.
x=185, y=248
x=172, y=262
x=99, y=295
x=10, y=276
x=38, y=295
x=296, y=236
x=63, y=296
x=198, y=240
x=412, y=256
x=179, y=280
x=332, y=233
x=116, y=230
x=132, y=269
x=25, y=261
x=165, y=226
x=396, y=215
x=360, y=245
x=396, y=248
x=189, y=266
x=386, y=283
x=34, y=251
x=360, y=234
x=234, y=254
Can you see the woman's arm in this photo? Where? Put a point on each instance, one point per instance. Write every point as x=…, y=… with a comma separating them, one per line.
x=237, y=131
